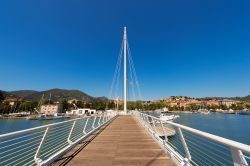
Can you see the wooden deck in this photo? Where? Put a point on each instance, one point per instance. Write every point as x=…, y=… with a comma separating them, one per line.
x=121, y=143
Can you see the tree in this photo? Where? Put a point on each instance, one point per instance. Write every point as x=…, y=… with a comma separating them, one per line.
x=1, y=96
x=34, y=105
x=48, y=102
x=223, y=107
x=65, y=105
x=194, y=107
x=247, y=106
x=98, y=105
x=139, y=105
x=111, y=105
x=131, y=105
x=80, y=104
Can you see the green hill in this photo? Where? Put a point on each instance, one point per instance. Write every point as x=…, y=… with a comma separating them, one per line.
x=8, y=95
x=56, y=95
x=60, y=95
x=23, y=93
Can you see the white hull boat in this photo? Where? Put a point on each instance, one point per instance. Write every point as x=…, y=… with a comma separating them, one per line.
x=164, y=117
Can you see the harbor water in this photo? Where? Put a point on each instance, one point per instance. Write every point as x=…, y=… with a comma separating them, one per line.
x=11, y=125
x=203, y=151
x=235, y=127
x=20, y=149
x=231, y=126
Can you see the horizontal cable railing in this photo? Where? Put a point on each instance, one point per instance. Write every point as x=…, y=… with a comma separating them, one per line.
x=189, y=146
x=43, y=145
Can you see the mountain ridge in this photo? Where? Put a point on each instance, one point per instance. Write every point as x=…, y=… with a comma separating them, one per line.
x=55, y=94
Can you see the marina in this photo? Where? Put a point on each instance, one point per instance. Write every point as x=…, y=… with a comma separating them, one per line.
x=124, y=137
x=118, y=141
x=224, y=125
x=124, y=83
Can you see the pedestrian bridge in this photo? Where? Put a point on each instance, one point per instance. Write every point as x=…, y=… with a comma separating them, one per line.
x=122, y=142
x=112, y=139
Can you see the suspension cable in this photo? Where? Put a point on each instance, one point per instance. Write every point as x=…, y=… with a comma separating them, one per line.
x=116, y=73
x=134, y=71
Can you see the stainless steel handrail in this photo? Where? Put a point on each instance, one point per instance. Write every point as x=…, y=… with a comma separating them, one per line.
x=44, y=144
x=219, y=139
x=236, y=148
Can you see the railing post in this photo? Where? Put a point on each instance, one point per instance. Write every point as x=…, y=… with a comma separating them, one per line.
x=144, y=120
x=106, y=119
x=103, y=117
x=70, y=133
x=154, y=128
x=149, y=125
x=93, y=125
x=37, y=155
x=164, y=133
x=103, y=120
x=188, y=155
x=141, y=118
x=238, y=157
x=84, y=129
x=99, y=119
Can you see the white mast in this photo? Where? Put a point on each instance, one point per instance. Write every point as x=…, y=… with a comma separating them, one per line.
x=125, y=69
x=117, y=103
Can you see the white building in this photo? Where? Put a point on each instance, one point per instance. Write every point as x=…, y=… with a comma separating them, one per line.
x=51, y=109
x=228, y=103
x=81, y=112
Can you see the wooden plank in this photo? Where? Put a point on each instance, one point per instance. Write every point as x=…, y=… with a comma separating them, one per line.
x=121, y=143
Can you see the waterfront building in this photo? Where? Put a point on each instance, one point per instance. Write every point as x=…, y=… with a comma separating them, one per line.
x=227, y=103
x=51, y=109
x=118, y=102
x=81, y=112
x=12, y=102
x=213, y=103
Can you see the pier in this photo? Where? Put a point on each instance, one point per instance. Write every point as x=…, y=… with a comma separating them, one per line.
x=113, y=139
x=122, y=142
x=119, y=138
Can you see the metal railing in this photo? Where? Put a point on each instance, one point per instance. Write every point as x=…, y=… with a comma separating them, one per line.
x=188, y=146
x=43, y=145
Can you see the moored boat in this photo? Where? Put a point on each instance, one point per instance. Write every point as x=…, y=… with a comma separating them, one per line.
x=42, y=116
x=244, y=112
x=204, y=111
x=165, y=117
x=229, y=111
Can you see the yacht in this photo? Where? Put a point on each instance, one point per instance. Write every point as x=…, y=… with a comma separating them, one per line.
x=244, y=112
x=43, y=116
x=204, y=111
x=165, y=117
x=229, y=111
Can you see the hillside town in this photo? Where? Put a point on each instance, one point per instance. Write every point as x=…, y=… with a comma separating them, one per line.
x=189, y=104
x=17, y=105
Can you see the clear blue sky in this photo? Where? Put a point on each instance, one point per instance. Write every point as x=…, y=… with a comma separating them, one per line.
x=195, y=48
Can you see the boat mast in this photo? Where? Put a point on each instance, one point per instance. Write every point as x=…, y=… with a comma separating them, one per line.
x=125, y=70
x=117, y=103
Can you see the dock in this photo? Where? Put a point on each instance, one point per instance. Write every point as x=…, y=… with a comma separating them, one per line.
x=122, y=142
x=111, y=139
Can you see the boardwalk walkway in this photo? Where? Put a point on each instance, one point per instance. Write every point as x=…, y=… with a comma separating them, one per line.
x=123, y=142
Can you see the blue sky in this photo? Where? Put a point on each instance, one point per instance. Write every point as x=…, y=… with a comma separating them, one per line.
x=194, y=48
